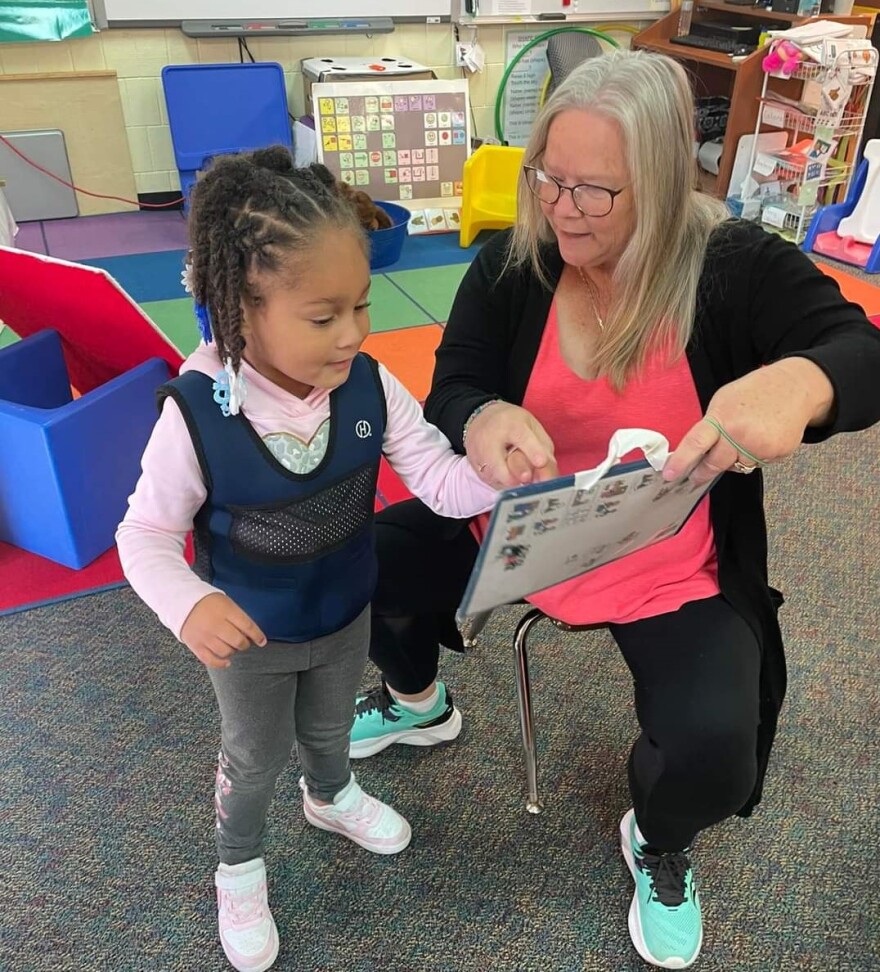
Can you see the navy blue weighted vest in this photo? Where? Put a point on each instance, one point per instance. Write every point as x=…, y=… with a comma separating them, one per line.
x=295, y=551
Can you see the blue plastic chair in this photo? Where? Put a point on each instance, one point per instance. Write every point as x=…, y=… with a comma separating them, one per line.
x=67, y=466
x=220, y=109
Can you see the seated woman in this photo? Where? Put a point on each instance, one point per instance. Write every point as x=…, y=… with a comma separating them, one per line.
x=626, y=298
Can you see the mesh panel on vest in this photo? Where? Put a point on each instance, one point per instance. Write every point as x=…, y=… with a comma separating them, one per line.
x=202, y=544
x=303, y=529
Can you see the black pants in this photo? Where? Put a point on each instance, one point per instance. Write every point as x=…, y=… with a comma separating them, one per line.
x=695, y=674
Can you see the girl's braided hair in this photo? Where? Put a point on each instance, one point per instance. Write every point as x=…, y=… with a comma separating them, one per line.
x=247, y=213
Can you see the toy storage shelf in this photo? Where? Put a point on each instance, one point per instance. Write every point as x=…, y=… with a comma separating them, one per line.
x=791, y=189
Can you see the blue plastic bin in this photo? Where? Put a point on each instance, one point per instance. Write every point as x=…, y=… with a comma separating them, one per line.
x=387, y=244
x=218, y=109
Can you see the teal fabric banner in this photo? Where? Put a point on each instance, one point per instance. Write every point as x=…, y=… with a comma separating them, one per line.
x=44, y=20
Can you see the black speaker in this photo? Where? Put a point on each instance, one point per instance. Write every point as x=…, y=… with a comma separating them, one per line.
x=784, y=6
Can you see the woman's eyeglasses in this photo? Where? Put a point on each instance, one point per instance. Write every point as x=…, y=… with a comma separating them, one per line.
x=590, y=200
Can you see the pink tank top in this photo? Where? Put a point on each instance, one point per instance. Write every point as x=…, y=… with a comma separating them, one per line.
x=580, y=417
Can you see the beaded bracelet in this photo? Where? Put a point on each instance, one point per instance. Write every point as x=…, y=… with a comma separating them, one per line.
x=474, y=414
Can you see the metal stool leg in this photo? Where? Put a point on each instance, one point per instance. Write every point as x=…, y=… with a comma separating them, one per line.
x=524, y=698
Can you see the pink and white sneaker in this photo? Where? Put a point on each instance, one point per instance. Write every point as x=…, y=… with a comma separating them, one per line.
x=362, y=818
x=247, y=929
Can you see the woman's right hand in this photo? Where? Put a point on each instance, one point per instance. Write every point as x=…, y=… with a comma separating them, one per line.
x=508, y=447
x=216, y=628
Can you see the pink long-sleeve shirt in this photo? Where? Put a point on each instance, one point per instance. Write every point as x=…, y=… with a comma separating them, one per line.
x=171, y=490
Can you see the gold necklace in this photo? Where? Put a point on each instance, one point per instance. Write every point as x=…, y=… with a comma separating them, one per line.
x=594, y=298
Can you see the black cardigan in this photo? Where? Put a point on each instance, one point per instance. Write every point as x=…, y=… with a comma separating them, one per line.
x=759, y=299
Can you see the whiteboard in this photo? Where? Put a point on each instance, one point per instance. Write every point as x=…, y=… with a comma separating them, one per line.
x=174, y=11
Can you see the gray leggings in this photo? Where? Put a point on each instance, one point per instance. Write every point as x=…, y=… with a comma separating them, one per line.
x=272, y=699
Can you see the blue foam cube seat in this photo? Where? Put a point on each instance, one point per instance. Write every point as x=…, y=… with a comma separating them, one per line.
x=68, y=465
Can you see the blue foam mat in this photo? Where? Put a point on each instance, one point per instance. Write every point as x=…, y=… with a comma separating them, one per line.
x=435, y=251
x=156, y=276
x=146, y=276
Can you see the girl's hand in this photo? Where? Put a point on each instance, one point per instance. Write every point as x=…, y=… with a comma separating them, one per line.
x=508, y=447
x=765, y=412
x=216, y=628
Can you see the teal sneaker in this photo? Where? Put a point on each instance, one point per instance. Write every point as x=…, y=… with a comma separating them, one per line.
x=380, y=722
x=664, y=917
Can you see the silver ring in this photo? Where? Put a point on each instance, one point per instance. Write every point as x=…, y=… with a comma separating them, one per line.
x=740, y=467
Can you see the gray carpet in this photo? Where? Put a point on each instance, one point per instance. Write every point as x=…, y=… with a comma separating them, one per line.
x=108, y=735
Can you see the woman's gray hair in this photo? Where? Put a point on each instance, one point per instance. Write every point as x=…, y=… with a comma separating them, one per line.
x=655, y=281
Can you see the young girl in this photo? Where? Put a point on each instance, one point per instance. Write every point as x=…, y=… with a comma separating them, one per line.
x=268, y=448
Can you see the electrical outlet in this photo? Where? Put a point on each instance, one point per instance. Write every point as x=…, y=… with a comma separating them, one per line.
x=461, y=55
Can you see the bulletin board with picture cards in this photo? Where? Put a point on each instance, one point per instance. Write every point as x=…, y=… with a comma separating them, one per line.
x=401, y=141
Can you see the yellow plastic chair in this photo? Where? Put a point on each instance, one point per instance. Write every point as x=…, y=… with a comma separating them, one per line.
x=490, y=180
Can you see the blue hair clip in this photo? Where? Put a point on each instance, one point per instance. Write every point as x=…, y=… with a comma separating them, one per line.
x=203, y=319
x=222, y=391
x=230, y=389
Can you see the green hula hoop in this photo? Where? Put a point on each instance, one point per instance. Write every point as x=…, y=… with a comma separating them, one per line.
x=499, y=97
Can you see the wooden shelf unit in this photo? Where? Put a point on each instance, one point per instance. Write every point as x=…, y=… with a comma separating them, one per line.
x=714, y=73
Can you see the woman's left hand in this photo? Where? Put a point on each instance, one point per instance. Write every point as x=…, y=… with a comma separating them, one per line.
x=765, y=412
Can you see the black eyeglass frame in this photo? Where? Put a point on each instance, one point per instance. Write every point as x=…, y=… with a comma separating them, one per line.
x=612, y=193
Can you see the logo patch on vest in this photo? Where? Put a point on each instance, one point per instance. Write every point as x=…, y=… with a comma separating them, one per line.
x=363, y=429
